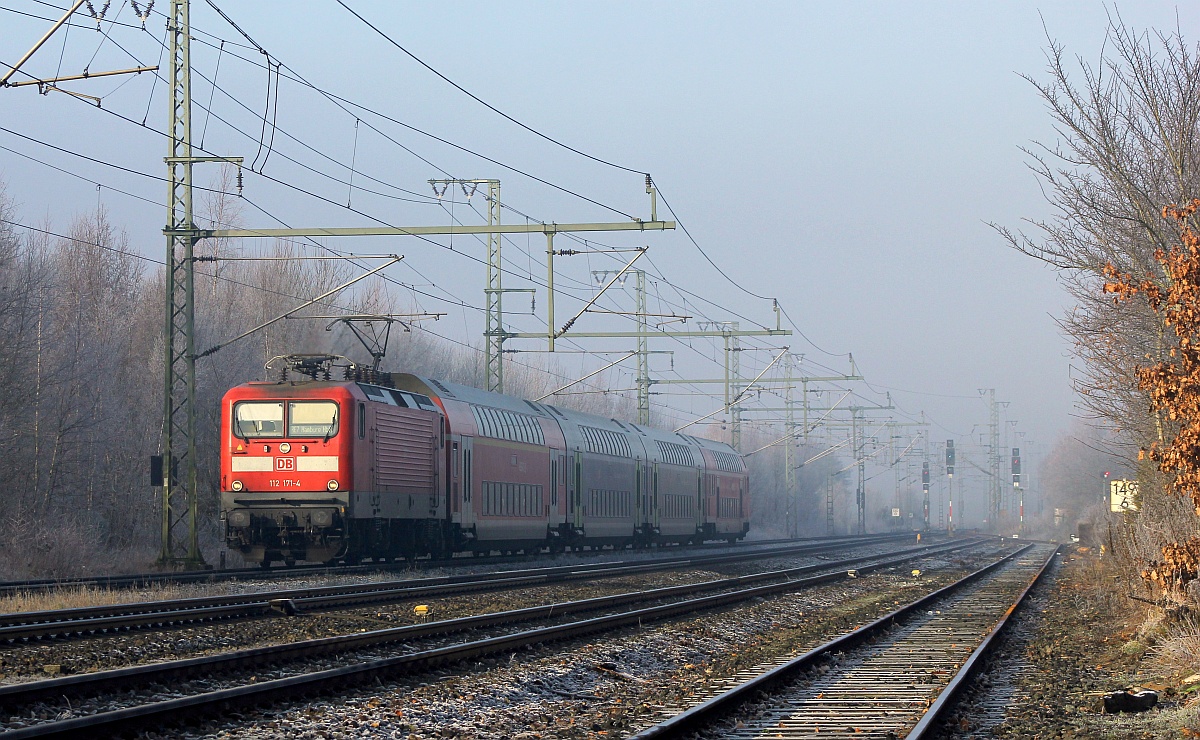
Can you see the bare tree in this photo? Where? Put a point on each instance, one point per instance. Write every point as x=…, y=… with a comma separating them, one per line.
x=1127, y=147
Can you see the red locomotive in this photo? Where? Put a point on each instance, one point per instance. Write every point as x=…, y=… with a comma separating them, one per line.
x=383, y=465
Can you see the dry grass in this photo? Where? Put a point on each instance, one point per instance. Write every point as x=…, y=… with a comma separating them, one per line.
x=73, y=597
x=1177, y=651
x=64, y=549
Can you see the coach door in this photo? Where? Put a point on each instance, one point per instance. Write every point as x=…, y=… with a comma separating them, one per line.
x=552, y=506
x=576, y=492
x=654, y=503
x=640, y=497
x=468, y=480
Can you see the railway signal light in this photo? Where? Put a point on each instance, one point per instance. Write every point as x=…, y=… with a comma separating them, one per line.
x=925, y=475
x=950, y=457
x=1016, y=467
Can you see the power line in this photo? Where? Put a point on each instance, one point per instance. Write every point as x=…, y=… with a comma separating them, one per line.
x=484, y=103
x=456, y=301
x=259, y=288
x=298, y=78
x=269, y=215
x=335, y=179
x=334, y=98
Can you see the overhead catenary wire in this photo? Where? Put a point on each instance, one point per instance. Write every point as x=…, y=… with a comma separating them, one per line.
x=280, y=66
x=484, y=103
x=357, y=105
x=792, y=434
x=249, y=201
x=459, y=302
x=143, y=173
x=248, y=286
x=332, y=97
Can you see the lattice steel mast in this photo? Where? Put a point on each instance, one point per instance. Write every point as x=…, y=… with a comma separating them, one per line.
x=180, y=543
x=180, y=546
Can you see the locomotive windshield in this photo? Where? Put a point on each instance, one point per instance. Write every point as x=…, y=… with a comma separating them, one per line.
x=258, y=419
x=304, y=419
x=312, y=419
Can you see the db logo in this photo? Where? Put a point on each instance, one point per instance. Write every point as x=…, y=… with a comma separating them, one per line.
x=285, y=463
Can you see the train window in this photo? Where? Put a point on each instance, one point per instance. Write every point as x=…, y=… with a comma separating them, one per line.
x=362, y=420
x=728, y=461
x=511, y=499
x=675, y=454
x=608, y=504
x=606, y=441
x=502, y=424
x=403, y=400
x=381, y=395
x=312, y=419
x=467, y=474
x=258, y=419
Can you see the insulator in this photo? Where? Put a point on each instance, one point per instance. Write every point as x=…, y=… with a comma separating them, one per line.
x=239, y=172
x=98, y=16
x=142, y=15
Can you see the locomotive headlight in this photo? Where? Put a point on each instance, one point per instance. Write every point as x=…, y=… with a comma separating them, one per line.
x=285, y=448
x=236, y=485
x=239, y=518
x=332, y=485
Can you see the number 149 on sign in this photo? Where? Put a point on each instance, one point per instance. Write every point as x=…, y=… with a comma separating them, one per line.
x=1123, y=495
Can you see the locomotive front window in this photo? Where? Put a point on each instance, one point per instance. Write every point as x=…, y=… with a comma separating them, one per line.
x=312, y=419
x=258, y=419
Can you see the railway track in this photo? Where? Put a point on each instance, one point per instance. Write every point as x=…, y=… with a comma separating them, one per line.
x=892, y=678
x=664, y=603
x=157, y=614
x=143, y=580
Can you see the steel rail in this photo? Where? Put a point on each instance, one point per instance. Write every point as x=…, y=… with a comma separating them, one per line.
x=705, y=714
x=82, y=620
x=293, y=687
x=974, y=663
x=120, y=678
x=138, y=580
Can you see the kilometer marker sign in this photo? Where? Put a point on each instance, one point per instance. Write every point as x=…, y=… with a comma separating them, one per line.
x=1122, y=495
